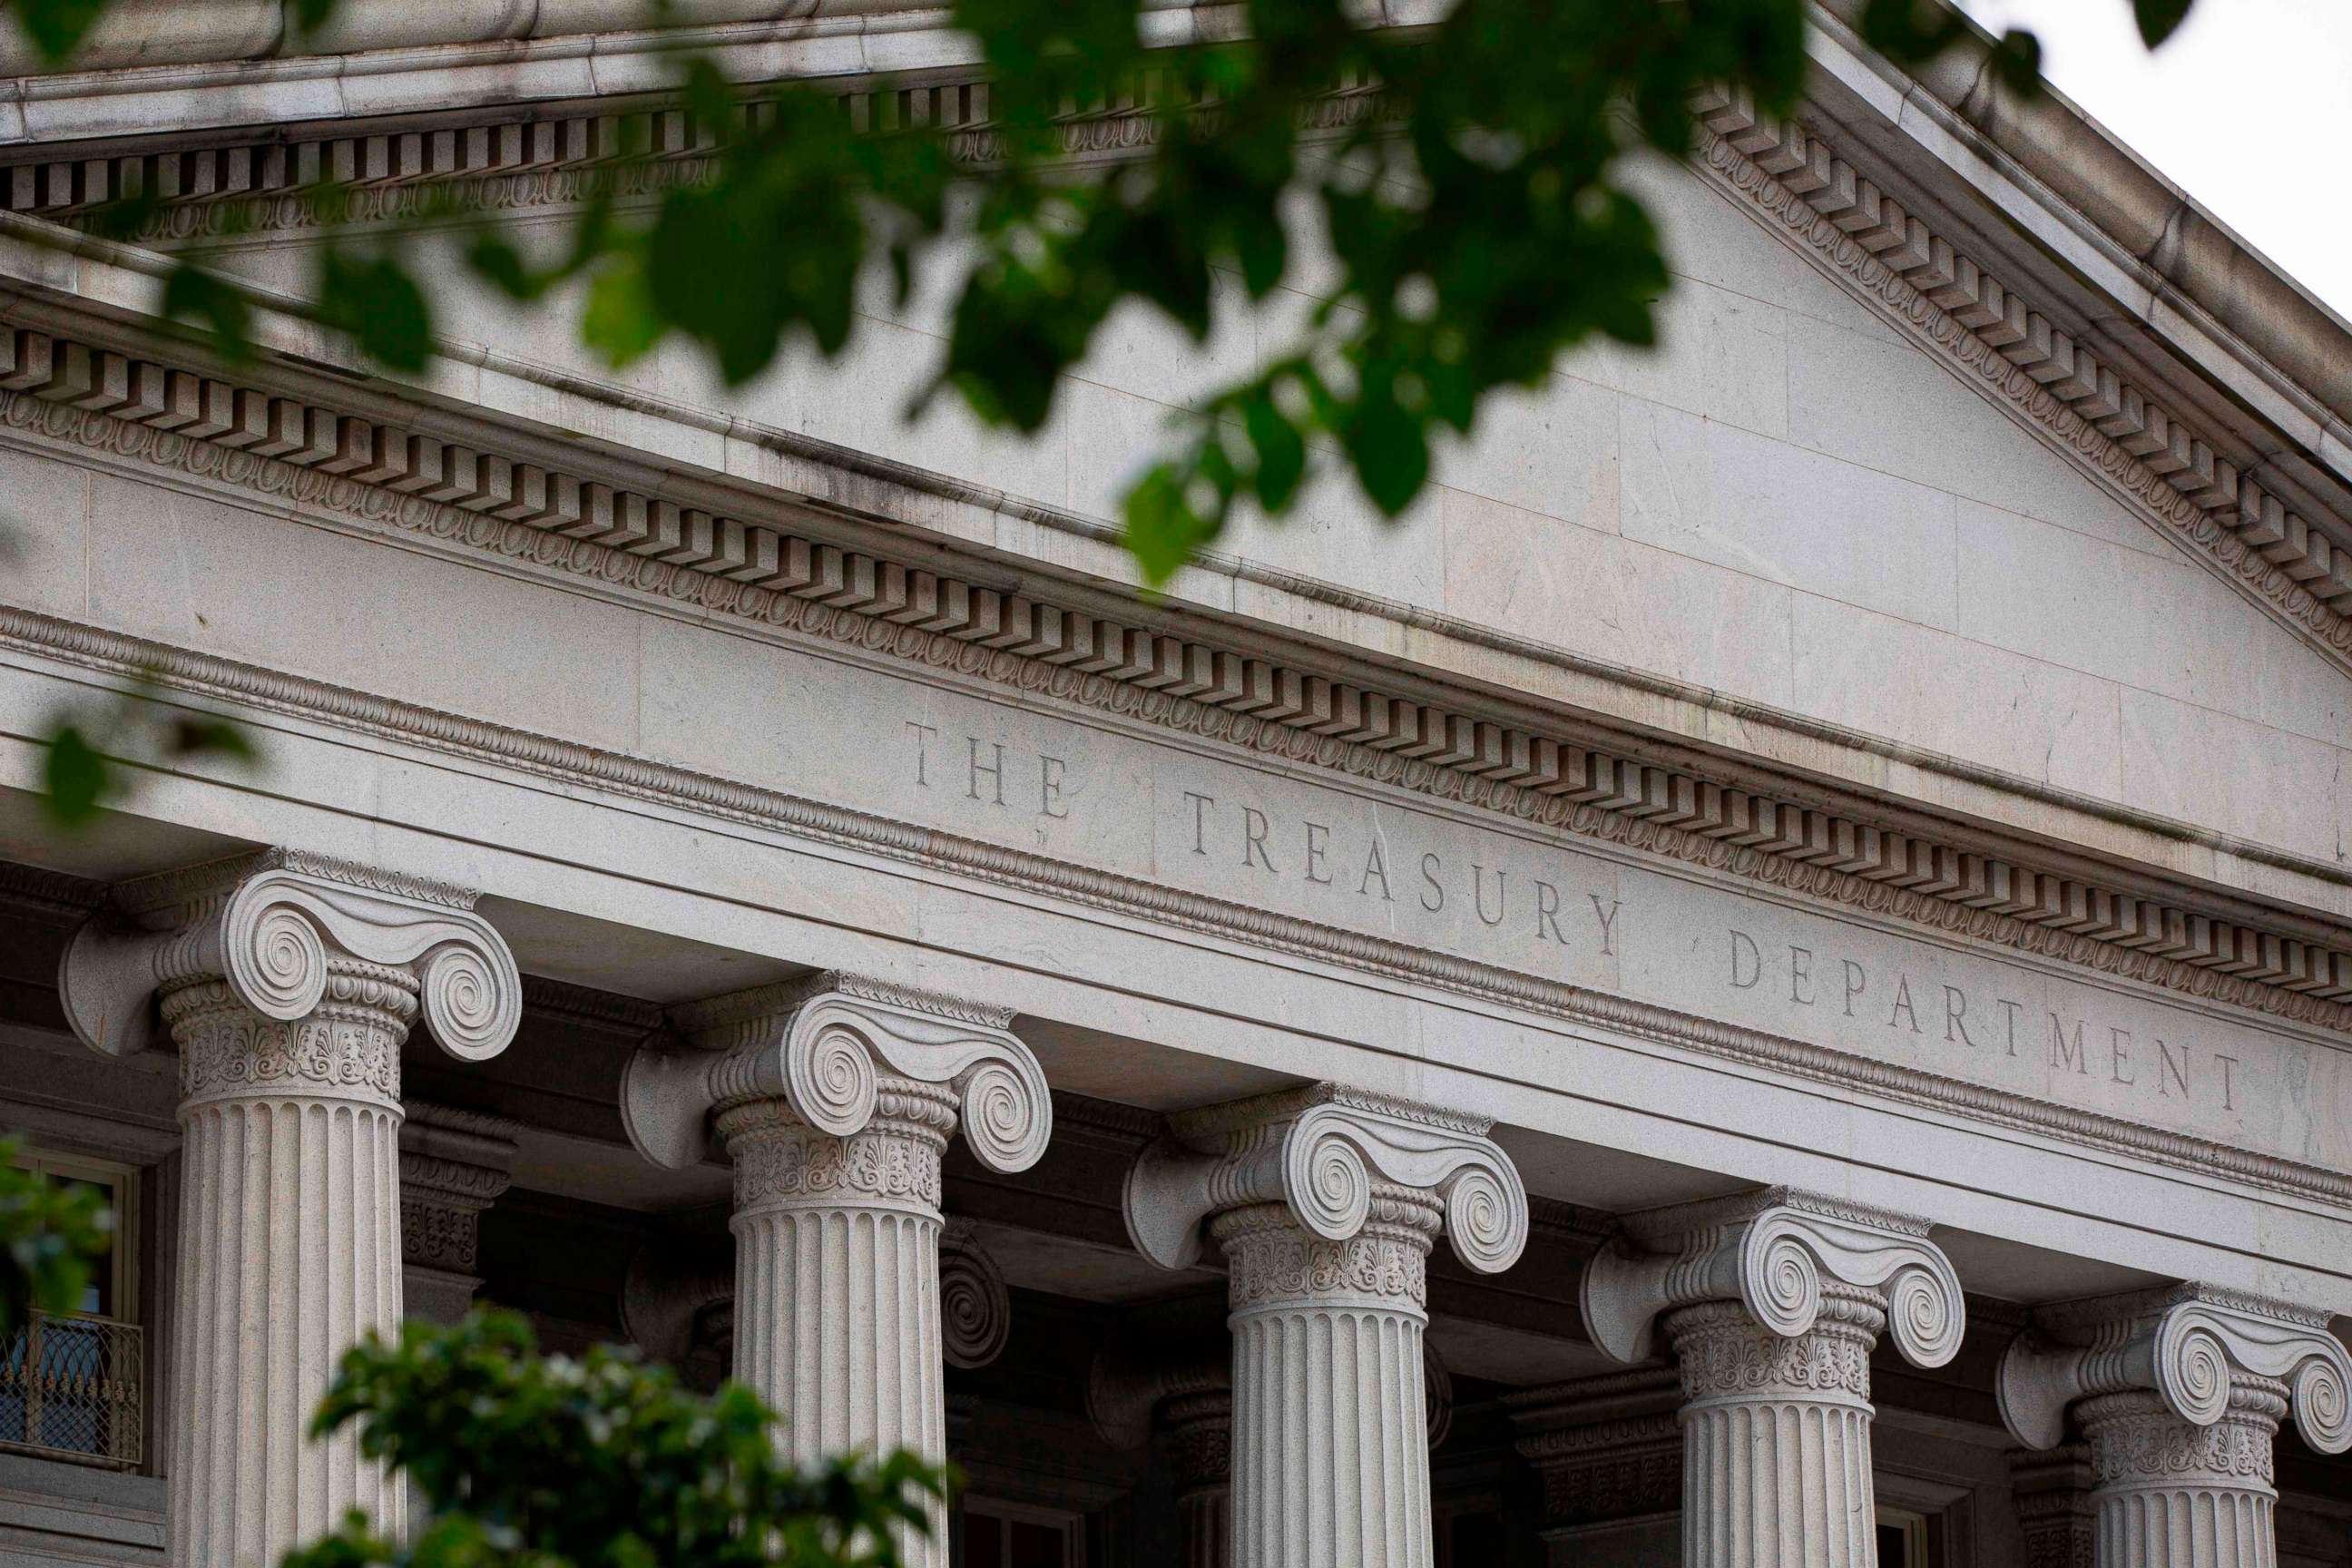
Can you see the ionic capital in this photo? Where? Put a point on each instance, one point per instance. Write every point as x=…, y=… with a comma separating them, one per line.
x=1318, y=1152
x=1773, y=1252
x=975, y=1309
x=823, y=1047
x=2188, y=1344
x=268, y=925
x=454, y=1163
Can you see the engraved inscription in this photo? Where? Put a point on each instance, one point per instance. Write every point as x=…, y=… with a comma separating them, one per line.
x=1973, y=1019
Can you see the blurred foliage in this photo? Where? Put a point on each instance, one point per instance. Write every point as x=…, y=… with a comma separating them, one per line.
x=49, y=1232
x=531, y=1461
x=95, y=748
x=1460, y=184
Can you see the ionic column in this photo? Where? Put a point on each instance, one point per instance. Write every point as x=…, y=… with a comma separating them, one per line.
x=1325, y=1202
x=1608, y=1451
x=454, y=1164
x=834, y=1098
x=289, y=983
x=2050, y=1495
x=1187, y=1387
x=2180, y=1394
x=1773, y=1303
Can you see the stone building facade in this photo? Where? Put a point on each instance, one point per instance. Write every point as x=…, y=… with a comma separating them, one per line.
x=1767, y=977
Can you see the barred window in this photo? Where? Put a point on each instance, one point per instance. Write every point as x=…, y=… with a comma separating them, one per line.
x=70, y=1383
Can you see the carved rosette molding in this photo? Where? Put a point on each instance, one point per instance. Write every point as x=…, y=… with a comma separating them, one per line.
x=835, y=1096
x=287, y=982
x=479, y=502
x=1773, y=1303
x=409, y=724
x=1325, y=1202
x=1790, y=178
x=2180, y=1394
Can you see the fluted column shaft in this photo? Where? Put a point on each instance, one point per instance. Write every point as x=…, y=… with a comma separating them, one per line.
x=1330, y=1440
x=837, y=1277
x=1775, y=1436
x=290, y=1250
x=2172, y=1494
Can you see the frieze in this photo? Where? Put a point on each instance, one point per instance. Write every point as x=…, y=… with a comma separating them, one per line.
x=1295, y=717
x=1043, y=875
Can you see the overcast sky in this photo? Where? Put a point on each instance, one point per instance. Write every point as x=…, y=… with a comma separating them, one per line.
x=2244, y=108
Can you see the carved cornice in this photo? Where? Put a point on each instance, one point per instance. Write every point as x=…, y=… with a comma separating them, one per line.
x=2190, y=1344
x=2168, y=471
x=1325, y=1153
x=623, y=1013
x=273, y=186
x=476, y=503
x=1788, y=174
x=281, y=931
x=1778, y=1256
x=571, y=764
x=45, y=892
x=830, y=1049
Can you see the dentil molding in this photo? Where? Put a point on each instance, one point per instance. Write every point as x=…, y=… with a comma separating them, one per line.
x=478, y=503
x=827, y=1048
x=268, y=925
x=1785, y=173
x=1779, y=1254
x=1321, y=1153
x=2194, y=1346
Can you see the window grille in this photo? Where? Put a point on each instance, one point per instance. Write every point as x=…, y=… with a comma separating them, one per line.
x=71, y=1388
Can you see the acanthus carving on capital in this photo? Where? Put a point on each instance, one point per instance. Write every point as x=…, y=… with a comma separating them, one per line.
x=1270, y=1258
x=1785, y=1259
x=1722, y=1352
x=2136, y=1438
x=839, y=1056
x=1339, y=1165
x=2204, y=1354
x=349, y=953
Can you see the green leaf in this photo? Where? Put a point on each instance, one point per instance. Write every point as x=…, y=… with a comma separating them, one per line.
x=1163, y=531
x=497, y=263
x=376, y=301
x=74, y=777
x=57, y=27
x=1281, y=453
x=192, y=295
x=620, y=322
x=194, y=737
x=2159, y=19
x=310, y=16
